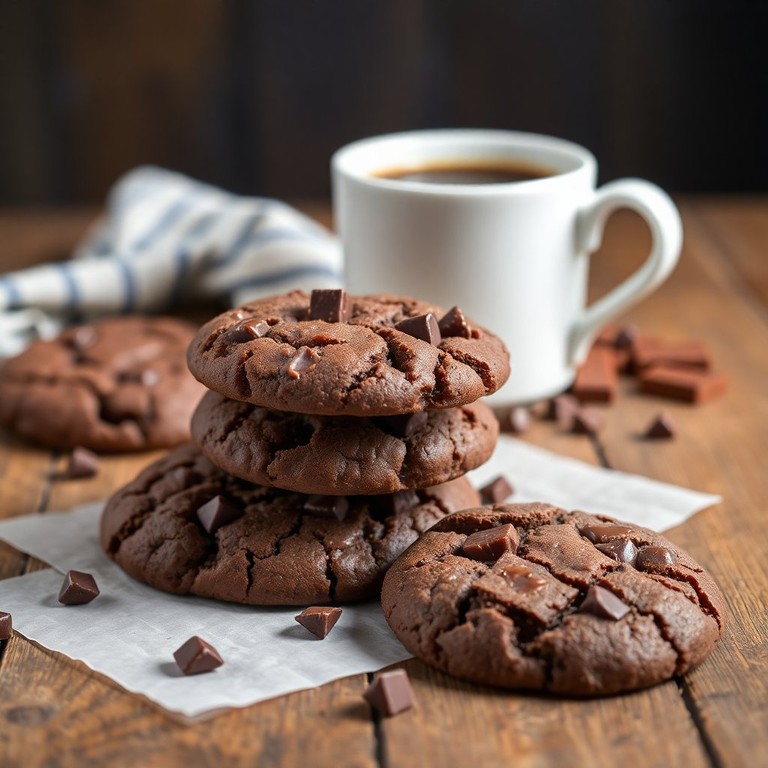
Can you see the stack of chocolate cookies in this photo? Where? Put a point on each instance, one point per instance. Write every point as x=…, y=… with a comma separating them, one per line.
x=336, y=430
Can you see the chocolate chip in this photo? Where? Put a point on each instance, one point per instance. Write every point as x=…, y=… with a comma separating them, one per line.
x=403, y=425
x=78, y=588
x=661, y=428
x=523, y=579
x=453, y=323
x=598, y=534
x=247, y=330
x=327, y=506
x=319, y=620
x=587, y=421
x=196, y=656
x=651, y=558
x=491, y=543
x=620, y=550
x=397, y=503
x=518, y=420
x=390, y=693
x=331, y=305
x=304, y=360
x=6, y=625
x=217, y=512
x=422, y=327
x=82, y=463
x=562, y=409
x=496, y=491
x=603, y=603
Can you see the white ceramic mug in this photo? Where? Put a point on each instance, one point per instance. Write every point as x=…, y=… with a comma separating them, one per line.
x=513, y=256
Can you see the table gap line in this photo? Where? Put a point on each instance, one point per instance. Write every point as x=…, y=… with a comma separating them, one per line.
x=698, y=721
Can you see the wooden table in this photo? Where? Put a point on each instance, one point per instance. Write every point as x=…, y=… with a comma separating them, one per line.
x=54, y=712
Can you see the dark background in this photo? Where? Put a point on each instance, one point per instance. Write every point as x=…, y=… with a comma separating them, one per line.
x=255, y=96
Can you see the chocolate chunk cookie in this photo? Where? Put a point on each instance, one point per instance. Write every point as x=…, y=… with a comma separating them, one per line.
x=186, y=527
x=531, y=596
x=340, y=454
x=120, y=384
x=386, y=355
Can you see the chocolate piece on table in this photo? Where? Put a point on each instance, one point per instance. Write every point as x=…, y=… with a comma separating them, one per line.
x=522, y=578
x=78, y=588
x=6, y=625
x=587, y=421
x=620, y=550
x=518, y=420
x=82, y=463
x=327, y=506
x=596, y=378
x=490, y=543
x=330, y=305
x=652, y=558
x=196, y=656
x=599, y=534
x=304, y=360
x=649, y=350
x=688, y=385
x=319, y=619
x=603, y=603
x=402, y=425
x=217, y=512
x=390, y=693
x=496, y=491
x=422, y=327
x=453, y=323
x=562, y=409
x=661, y=428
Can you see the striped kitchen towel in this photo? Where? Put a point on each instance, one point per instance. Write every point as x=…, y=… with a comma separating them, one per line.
x=166, y=239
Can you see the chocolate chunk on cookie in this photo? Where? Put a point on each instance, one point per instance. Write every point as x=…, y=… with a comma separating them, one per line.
x=279, y=550
x=120, y=384
x=564, y=610
x=343, y=454
x=387, y=356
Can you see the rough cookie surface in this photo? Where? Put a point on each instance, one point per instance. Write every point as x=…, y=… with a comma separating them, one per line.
x=361, y=367
x=339, y=454
x=120, y=384
x=534, y=618
x=275, y=552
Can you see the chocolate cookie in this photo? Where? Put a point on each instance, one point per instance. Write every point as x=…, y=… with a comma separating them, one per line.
x=120, y=384
x=186, y=527
x=386, y=355
x=343, y=454
x=531, y=596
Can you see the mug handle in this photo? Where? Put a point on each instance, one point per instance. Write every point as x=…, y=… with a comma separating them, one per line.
x=658, y=210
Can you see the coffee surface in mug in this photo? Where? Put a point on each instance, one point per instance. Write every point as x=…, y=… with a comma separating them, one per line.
x=477, y=172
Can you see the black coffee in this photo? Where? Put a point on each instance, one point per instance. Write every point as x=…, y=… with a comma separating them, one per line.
x=469, y=173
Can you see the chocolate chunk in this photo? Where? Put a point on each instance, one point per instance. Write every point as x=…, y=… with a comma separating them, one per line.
x=518, y=420
x=690, y=386
x=620, y=550
x=397, y=503
x=522, y=579
x=319, y=619
x=390, y=693
x=331, y=305
x=596, y=378
x=249, y=329
x=78, y=588
x=327, y=506
x=196, y=656
x=453, y=323
x=587, y=421
x=217, y=512
x=661, y=428
x=82, y=463
x=422, y=327
x=496, y=491
x=599, y=534
x=402, y=425
x=651, y=558
x=6, y=625
x=304, y=360
x=562, y=409
x=603, y=603
x=648, y=351
x=490, y=543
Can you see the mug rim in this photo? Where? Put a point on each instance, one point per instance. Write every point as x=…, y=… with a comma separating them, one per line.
x=344, y=160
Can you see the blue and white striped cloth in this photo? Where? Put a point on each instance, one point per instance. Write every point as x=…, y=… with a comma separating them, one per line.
x=167, y=239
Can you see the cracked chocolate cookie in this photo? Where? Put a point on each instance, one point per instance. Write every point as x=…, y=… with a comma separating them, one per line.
x=120, y=384
x=339, y=454
x=531, y=596
x=186, y=527
x=381, y=355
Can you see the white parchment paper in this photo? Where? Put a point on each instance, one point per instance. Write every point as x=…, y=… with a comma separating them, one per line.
x=130, y=631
